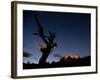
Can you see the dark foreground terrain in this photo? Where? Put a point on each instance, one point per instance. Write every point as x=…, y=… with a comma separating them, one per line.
x=86, y=61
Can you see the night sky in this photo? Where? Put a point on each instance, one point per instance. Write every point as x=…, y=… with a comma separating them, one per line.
x=72, y=34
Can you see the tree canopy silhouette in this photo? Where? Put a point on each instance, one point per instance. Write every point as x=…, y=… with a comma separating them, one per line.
x=48, y=39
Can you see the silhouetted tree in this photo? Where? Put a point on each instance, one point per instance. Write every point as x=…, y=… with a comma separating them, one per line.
x=49, y=41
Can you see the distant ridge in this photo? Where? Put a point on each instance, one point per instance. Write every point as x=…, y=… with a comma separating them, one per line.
x=85, y=61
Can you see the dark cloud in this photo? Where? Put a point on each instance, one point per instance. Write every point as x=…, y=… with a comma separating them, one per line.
x=26, y=54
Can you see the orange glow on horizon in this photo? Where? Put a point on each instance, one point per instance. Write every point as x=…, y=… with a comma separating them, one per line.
x=73, y=56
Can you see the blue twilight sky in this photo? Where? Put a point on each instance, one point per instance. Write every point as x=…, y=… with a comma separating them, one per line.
x=72, y=33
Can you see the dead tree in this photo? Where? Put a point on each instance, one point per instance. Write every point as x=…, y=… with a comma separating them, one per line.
x=49, y=41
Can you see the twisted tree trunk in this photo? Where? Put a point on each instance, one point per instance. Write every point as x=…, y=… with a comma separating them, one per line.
x=44, y=57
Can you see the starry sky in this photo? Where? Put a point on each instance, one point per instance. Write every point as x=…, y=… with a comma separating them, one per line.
x=73, y=34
